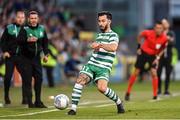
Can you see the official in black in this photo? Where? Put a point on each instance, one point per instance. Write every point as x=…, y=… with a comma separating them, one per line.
x=31, y=52
x=166, y=59
x=11, y=53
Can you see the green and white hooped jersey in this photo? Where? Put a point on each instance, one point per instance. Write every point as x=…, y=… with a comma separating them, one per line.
x=103, y=58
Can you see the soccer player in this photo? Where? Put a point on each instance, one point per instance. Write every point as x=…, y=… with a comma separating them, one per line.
x=149, y=52
x=11, y=53
x=35, y=33
x=99, y=66
x=166, y=59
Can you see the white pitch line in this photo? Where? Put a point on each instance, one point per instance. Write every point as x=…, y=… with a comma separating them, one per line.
x=47, y=111
x=27, y=114
x=89, y=102
x=85, y=103
x=98, y=106
x=99, y=101
x=176, y=94
x=165, y=97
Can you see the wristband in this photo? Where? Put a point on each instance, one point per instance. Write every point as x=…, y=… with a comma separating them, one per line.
x=139, y=46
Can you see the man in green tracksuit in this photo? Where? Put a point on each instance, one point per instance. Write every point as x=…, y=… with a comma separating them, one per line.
x=11, y=54
x=31, y=55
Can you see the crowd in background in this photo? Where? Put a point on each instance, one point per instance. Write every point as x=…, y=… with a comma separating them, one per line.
x=62, y=25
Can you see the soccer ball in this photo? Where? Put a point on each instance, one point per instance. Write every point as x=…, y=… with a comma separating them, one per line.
x=61, y=101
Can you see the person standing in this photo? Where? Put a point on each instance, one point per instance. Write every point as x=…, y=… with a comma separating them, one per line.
x=11, y=53
x=31, y=52
x=100, y=64
x=149, y=52
x=166, y=58
x=50, y=64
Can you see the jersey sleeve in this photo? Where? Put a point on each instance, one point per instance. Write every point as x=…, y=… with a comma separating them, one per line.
x=144, y=33
x=45, y=44
x=3, y=40
x=114, y=39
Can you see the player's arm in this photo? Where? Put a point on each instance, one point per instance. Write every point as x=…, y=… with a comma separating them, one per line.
x=158, y=56
x=3, y=40
x=112, y=45
x=141, y=36
x=109, y=47
x=45, y=47
x=52, y=55
x=163, y=47
x=45, y=44
x=3, y=44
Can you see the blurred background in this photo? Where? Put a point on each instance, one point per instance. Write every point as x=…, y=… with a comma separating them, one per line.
x=72, y=24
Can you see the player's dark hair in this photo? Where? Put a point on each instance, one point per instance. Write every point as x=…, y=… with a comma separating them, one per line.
x=20, y=11
x=159, y=22
x=33, y=13
x=107, y=13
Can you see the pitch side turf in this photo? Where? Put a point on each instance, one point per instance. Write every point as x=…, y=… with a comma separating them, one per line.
x=94, y=105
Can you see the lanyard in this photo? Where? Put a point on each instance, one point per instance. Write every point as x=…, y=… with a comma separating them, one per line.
x=16, y=31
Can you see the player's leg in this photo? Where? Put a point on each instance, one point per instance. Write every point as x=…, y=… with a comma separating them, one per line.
x=37, y=74
x=108, y=92
x=159, y=72
x=140, y=62
x=154, y=82
x=77, y=91
x=49, y=71
x=25, y=69
x=9, y=64
x=20, y=66
x=168, y=68
x=132, y=79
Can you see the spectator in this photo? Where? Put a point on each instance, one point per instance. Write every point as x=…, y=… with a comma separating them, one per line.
x=72, y=66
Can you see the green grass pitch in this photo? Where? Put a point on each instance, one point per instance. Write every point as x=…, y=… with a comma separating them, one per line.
x=94, y=105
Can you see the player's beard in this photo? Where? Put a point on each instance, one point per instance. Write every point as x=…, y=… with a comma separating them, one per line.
x=33, y=24
x=103, y=29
